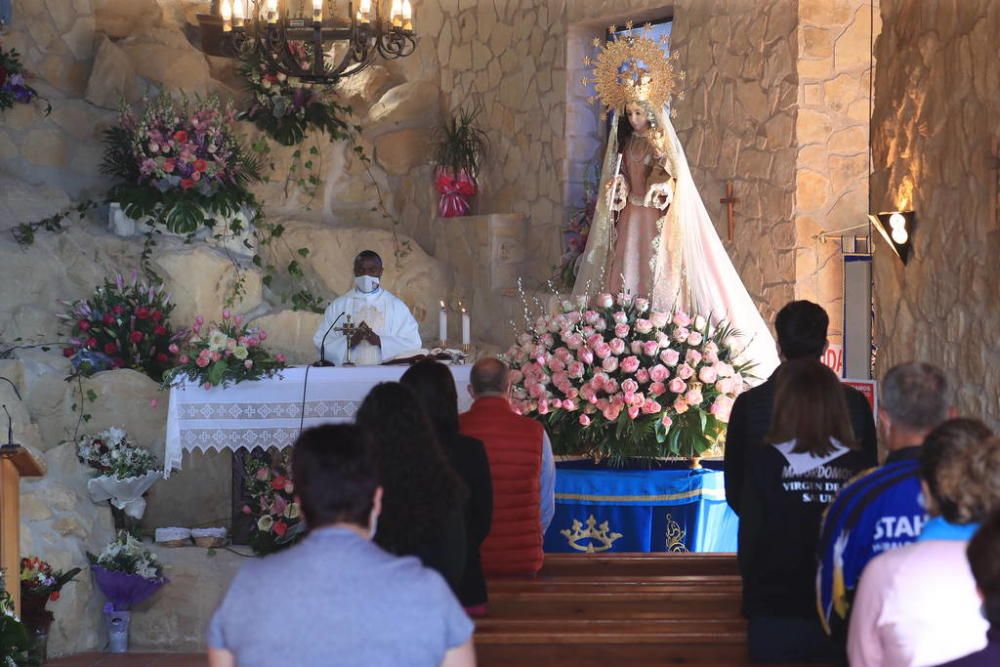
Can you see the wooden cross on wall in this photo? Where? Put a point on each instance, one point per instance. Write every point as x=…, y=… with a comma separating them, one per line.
x=729, y=200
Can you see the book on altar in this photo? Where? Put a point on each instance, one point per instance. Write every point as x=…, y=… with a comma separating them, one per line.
x=438, y=353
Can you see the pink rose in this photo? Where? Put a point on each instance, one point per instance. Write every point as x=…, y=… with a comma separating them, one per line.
x=633, y=412
x=657, y=389
x=693, y=397
x=694, y=338
x=624, y=298
x=680, y=406
x=643, y=326
x=280, y=358
x=206, y=386
x=724, y=386
x=602, y=350
x=667, y=421
x=670, y=357
x=593, y=340
x=202, y=361
x=630, y=386
x=543, y=407
x=707, y=375
x=587, y=394
x=620, y=317
x=724, y=370
x=569, y=405
x=610, y=364
x=651, y=407
x=576, y=369
x=693, y=357
x=636, y=400
x=650, y=348
x=621, y=330
x=216, y=356
x=684, y=371
x=604, y=301
x=617, y=346
x=248, y=364
x=681, y=334
x=226, y=314
x=711, y=357
x=612, y=412
x=238, y=320
x=659, y=319
x=199, y=320
x=721, y=408
x=584, y=420
x=600, y=379
x=641, y=305
x=574, y=341
x=173, y=349
x=636, y=347
x=642, y=376
x=682, y=319
x=611, y=386
x=677, y=386
x=262, y=335
x=183, y=359
x=659, y=373
x=630, y=364
x=573, y=392
x=591, y=316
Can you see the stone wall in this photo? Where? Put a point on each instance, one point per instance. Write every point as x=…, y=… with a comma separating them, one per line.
x=834, y=69
x=937, y=95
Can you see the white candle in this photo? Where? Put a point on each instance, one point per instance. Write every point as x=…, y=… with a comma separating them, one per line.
x=226, y=11
x=239, y=13
x=317, y=10
x=443, y=324
x=365, y=11
x=396, y=14
x=272, y=11
x=407, y=15
x=466, y=328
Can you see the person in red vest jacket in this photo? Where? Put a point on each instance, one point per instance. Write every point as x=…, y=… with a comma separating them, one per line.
x=522, y=468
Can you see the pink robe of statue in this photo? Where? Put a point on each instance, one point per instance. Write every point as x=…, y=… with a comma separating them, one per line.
x=632, y=264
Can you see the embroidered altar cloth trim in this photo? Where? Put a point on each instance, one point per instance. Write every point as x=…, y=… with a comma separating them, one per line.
x=268, y=413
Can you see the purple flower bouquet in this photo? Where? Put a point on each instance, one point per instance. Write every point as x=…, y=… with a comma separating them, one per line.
x=126, y=572
x=124, y=590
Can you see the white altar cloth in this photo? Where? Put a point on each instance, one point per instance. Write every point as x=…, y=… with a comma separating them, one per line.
x=268, y=413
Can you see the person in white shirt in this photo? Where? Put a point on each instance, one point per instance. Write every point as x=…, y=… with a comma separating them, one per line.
x=385, y=326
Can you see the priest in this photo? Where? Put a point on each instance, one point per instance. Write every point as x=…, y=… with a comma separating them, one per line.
x=385, y=327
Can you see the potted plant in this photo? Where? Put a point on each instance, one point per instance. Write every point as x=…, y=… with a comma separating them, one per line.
x=461, y=145
x=14, y=640
x=127, y=573
x=126, y=473
x=40, y=584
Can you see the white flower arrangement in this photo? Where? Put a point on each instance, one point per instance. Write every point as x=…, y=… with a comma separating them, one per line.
x=127, y=555
x=111, y=453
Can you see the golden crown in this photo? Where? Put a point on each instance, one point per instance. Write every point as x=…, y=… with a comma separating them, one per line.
x=594, y=533
x=632, y=68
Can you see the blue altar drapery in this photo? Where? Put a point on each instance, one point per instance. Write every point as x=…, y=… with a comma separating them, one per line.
x=670, y=508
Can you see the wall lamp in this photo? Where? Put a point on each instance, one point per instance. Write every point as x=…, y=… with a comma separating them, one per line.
x=896, y=227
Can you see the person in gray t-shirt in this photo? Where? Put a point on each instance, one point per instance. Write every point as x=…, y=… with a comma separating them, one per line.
x=337, y=598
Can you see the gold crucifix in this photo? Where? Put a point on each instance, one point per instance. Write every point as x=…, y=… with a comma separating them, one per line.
x=729, y=200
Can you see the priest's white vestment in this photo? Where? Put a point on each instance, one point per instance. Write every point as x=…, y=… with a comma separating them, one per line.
x=385, y=314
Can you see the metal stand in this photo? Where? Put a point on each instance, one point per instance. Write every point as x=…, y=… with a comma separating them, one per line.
x=348, y=329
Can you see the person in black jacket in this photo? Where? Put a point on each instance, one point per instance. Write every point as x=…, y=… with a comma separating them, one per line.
x=810, y=453
x=434, y=385
x=802, y=328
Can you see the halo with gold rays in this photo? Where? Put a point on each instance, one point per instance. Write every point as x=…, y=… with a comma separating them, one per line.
x=632, y=68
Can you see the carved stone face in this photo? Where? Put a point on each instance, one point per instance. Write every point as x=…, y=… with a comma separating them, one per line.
x=637, y=117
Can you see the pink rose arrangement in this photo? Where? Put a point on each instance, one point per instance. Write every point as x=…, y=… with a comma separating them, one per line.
x=269, y=501
x=222, y=353
x=614, y=378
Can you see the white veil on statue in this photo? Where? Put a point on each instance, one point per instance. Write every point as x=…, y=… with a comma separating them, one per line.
x=691, y=269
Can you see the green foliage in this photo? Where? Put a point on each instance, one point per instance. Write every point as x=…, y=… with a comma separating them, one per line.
x=461, y=143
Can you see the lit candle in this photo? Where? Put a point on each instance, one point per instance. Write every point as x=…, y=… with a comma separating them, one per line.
x=407, y=15
x=443, y=324
x=226, y=10
x=466, y=328
x=239, y=13
x=365, y=11
x=272, y=11
x=318, y=11
x=396, y=14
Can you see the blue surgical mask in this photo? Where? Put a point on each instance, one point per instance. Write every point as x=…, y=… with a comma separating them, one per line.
x=366, y=284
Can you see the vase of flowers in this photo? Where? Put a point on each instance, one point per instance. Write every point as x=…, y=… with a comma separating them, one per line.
x=276, y=520
x=125, y=473
x=124, y=324
x=40, y=584
x=222, y=353
x=181, y=167
x=618, y=380
x=14, y=639
x=461, y=147
x=127, y=573
x=14, y=88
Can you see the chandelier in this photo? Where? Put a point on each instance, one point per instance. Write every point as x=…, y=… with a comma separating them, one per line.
x=310, y=40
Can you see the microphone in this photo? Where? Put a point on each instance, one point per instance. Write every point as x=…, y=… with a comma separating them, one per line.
x=10, y=427
x=322, y=363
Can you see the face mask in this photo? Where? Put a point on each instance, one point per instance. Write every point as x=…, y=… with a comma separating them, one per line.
x=366, y=284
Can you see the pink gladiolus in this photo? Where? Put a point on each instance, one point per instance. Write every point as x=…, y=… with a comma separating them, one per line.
x=630, y=364
x=642, y=376
x=677, y=386
x=657, y=389
x=650, y=348
x=633, y=412
x=630, y=386
x=621, y=330
x=670, y=357
x=680, y=405
x=693, y=397
x=682, y=319
x=707, y=375
x=684, y=371
x=659, y=373
x=651, y=407
x=584, y=420
x=617, y=346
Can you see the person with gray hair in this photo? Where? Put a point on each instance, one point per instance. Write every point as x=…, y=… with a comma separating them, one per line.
x=881, y=509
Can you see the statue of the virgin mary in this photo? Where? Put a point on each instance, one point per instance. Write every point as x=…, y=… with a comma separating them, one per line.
x=651, y=235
